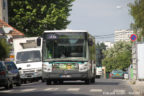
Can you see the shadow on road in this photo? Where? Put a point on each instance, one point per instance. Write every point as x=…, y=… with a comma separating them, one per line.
x=106, y=83
x=42, y=93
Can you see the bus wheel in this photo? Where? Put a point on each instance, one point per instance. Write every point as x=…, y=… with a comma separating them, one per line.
x=48, y=82
x=61, y=82
x=87, y=81
x=55, y=82
x=93, y=80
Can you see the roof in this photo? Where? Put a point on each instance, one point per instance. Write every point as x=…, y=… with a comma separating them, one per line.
x=14, y=32
x=67, y=30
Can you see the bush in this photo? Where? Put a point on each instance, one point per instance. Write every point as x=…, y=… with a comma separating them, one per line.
x=4, y=49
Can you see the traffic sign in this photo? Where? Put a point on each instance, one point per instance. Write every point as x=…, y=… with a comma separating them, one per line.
x=133, y=37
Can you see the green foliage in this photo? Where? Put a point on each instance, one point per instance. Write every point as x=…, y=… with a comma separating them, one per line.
x=4, y=49
x=137, y=11
x=99, y=54
x=118, y=57
x=34, y=16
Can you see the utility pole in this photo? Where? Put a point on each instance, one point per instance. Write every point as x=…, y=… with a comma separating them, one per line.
x=134, y=60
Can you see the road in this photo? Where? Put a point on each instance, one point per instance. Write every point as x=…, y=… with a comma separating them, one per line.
x=102, y=87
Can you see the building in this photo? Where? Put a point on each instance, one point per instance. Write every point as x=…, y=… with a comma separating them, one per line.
x=9, y=31
x=108, y=44
x=123, y=35
x=4, y=10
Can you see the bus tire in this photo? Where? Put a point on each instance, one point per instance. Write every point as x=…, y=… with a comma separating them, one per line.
x=93, y=80
x=48, y=82
x=87, y=81
x=55, y=82
x=61, y=82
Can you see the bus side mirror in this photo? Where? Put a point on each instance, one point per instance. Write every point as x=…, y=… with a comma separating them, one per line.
x=38, y=41
x=90, y=41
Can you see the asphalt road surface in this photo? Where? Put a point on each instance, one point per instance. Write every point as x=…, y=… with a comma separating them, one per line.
x=102, y=87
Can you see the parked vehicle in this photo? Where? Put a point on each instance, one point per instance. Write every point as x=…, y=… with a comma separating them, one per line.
x=14, y=72
x=138, y=60
x=9, y=75
x=126, y=75
x=117, y=74
x=98, y=72
x=28, y=57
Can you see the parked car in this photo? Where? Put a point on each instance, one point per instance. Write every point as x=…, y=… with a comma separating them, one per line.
x=9, y=75
x=117, y=74
x=5, y=78
x=126, y=75
x=14, y=72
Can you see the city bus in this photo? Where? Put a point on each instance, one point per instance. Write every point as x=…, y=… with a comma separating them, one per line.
x=68, y=55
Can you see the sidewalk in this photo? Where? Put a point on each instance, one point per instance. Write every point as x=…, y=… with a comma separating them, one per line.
x=138, y=87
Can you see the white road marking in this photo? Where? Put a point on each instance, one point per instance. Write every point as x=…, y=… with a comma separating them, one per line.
x=51, y=89
x=96, y=90
x=7, y=91
x=73, y=89
x=27, y=90
x=119, y=91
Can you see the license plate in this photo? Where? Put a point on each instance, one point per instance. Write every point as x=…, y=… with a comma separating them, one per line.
x=117, y=74
x=65, y=76
x=29, y=75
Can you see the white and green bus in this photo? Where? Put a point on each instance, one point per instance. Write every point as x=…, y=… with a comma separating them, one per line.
x=68, y=55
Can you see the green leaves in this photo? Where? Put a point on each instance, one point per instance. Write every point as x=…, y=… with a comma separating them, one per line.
x=137, y=11
x=99, y=55
x=117, y=57
x=32, y=17
x=4, y=49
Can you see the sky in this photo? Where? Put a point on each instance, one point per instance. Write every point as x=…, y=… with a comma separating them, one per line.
x=100, y=17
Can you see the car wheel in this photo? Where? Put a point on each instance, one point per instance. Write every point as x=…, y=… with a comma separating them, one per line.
x=11, y=85
x=25, y=81
x=7, y=86
x=18, y=83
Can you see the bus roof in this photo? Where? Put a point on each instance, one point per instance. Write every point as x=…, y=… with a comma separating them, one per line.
x=67, y=30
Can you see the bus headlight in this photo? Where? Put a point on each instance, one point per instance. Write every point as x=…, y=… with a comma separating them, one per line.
x=84, y=67
x=46, y=67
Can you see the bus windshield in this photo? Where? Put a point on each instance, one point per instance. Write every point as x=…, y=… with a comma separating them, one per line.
x=65, y=47
x=28, y=56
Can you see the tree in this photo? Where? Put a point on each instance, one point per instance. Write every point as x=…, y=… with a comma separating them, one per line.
x=99, y=55
x=4, y=49
x=32, y=17
x=117, y=57
x=137, y=11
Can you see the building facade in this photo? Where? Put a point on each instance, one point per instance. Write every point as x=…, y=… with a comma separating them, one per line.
x=123, y=35
x=108, y=44
x=4, y=10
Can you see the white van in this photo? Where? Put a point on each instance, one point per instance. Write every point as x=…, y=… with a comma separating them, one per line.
x=28, y=57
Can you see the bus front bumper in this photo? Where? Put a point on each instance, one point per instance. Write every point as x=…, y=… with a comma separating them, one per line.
x=70, y=76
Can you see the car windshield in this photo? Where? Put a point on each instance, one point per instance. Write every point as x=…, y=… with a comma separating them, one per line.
x=10, y=65
x=28, y=56
x=117, y=71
